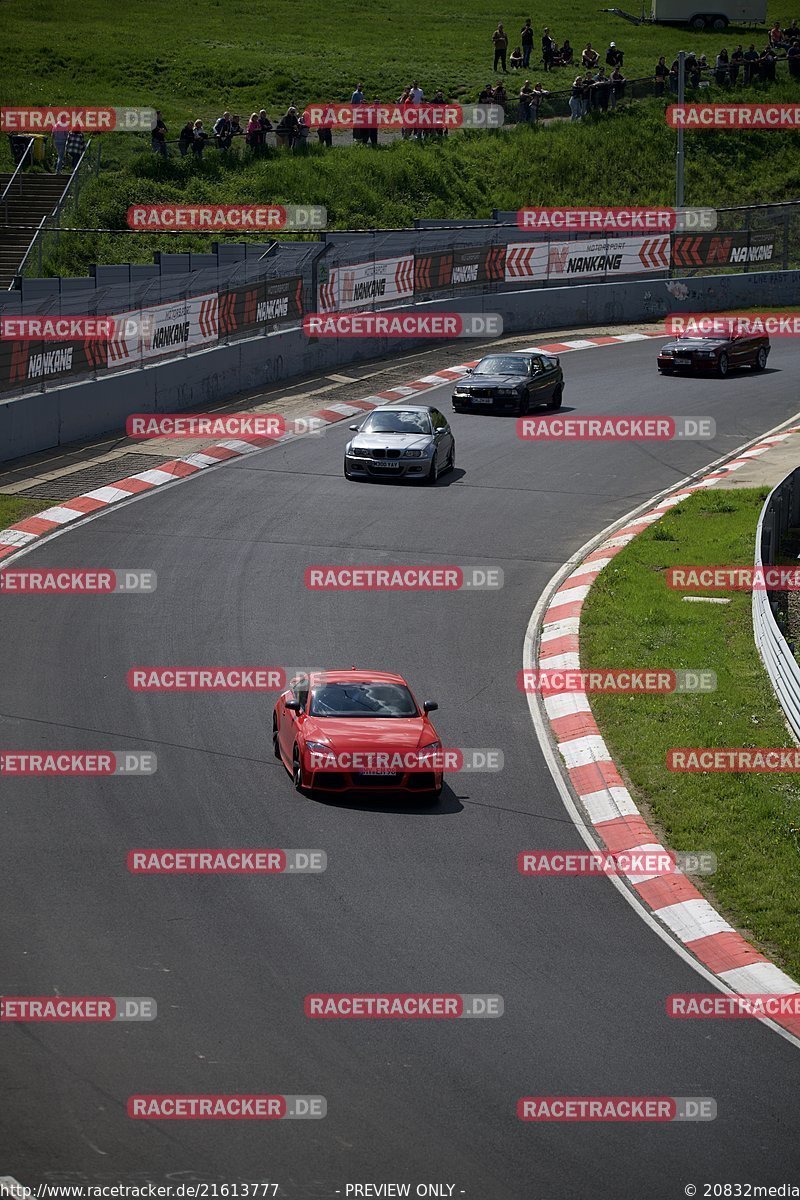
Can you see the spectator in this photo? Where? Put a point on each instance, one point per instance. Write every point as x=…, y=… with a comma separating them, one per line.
x=404, y=100
x=487, y=95
x=750, y=63
x=737, y=62
x=693, y=68
x=589, y=58
x=538, y=96
x=222, y=131
x=576, y=99
x=60, y=135
x=566, y=54
x=359, y=135
x=766, y=65
x=417, y=94
x=793, y=58
x=776, y=38
x=673, y=76
x=158, y=136
x=288, y=129
x=525, y=93
x=602, y=89
x=236, y=126
x=199, y=139
x=438, y=99
x=661, y=74
x=253, y=137
x=617, y=81
x=266, y=125
x=526, y=37
x=515, y=61
x=614, y=56
x=76, y=144
x=792, y=34
x=721, y=68
x=500, y=96
x=548, y=50
x=500, y=41
x=185, y=139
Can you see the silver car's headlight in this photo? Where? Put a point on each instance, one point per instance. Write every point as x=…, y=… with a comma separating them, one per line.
x=358, y=452
x=414, y=453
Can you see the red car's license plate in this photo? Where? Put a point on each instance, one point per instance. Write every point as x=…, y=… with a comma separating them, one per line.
x=380, y=774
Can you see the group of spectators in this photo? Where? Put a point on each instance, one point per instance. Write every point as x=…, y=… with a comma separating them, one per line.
x=599, y=86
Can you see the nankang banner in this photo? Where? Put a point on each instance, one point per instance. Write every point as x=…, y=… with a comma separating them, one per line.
x=33, y=363
x=741, y=246
x=363, y=285
x=606, y=256
x=268, y=303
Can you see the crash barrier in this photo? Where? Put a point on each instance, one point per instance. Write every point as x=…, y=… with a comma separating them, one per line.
x=781, y=512
x=220, y=371
x=183, y=303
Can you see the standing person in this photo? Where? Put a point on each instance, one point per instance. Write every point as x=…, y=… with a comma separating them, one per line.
x=222, y=131
x=548, y=50
x=617, y=82
x=358, y=98
x=576, y=99
x=199, y=139
x=673, y=76
x=660, y=74
x=185, y=138
x=737, y=62
x=692, y=69
x=76, y=144
x=158, y=136
x=721, y=68
x=500, y=96
x=289, y=128
x=536, y=100
x=500, y=41
x=236, y=127
x=750, y=63
x=253, y=136
x=60, y=135
x=526, y=38
x=439, y=101
x=793, y=58
x=525, y=93
x=587, y=93
x=602, y=89
x=266, y=125
x=417, y=96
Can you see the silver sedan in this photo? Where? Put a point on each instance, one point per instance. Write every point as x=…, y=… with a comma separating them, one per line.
x=414, y=442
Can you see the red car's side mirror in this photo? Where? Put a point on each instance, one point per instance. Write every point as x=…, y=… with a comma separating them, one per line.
x=293, y=706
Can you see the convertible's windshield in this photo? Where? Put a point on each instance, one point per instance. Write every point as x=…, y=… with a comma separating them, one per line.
x=402, y=421
x=362, y=700
x=502, y=364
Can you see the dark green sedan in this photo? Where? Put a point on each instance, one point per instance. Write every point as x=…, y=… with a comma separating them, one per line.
x=511, y=383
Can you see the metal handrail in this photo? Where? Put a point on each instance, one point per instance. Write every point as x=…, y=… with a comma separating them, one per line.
x=18, y=171
x=54, y=215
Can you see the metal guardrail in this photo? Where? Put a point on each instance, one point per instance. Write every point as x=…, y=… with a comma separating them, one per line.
x=780, y=513
x=18, y=171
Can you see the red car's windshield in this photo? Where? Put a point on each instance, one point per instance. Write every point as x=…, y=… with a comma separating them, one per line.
x=362, y=700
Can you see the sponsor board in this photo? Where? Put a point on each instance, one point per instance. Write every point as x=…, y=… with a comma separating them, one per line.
x=584, y=259
x=34, y=362
x=268, y=303
x=723, y=249
x=363, y=285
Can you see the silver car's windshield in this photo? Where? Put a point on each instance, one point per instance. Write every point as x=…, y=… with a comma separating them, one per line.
x=502, y=364
x=401, y=421
x=362, y=700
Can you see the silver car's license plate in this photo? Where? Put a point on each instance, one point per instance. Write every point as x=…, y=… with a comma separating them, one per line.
x=386, y=466
x=682, y=362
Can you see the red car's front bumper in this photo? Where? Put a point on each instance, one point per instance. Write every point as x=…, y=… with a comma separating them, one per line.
x=410, y=782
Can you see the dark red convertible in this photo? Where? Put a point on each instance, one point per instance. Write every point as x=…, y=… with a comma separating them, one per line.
x=713, y=355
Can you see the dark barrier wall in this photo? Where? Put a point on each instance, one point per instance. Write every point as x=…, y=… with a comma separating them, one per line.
x=87, y=409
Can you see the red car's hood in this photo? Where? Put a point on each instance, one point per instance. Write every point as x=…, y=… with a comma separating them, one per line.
x=370, y=733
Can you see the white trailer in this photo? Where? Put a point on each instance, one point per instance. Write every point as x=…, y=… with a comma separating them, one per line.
x=709, y=14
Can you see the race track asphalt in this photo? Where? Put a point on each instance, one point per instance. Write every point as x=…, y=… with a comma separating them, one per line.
x=415, y=898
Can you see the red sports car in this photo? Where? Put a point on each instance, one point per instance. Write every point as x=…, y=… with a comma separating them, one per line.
x=357, y=731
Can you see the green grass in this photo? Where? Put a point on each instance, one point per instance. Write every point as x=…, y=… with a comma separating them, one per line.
x=13, y=509
x=238, y=55
x=632, y=619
